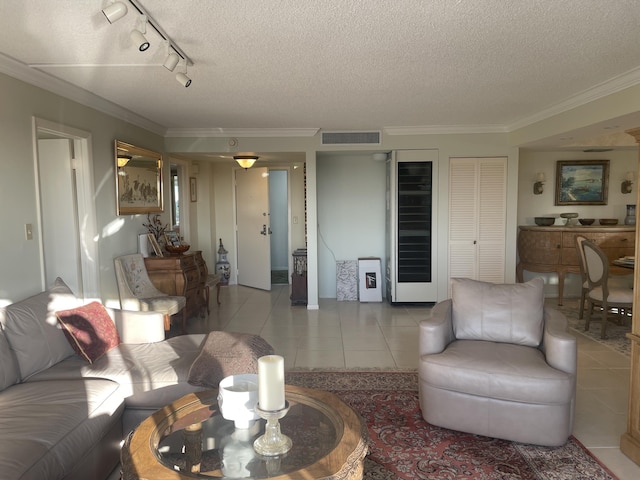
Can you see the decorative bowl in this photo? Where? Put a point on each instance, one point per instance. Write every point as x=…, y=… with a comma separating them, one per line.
x=608, y=221
x=237, y=398
x=569, y=215
x=177, y=249
x=586, y=221
x=544, y=221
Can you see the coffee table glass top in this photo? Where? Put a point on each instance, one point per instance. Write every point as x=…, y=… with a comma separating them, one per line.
x=202, y=444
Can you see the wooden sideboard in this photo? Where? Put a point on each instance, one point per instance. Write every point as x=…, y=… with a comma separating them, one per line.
x=553, y=249
x=183, y=275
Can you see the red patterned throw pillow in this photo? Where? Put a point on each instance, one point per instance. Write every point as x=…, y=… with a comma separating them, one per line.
x=89, y=330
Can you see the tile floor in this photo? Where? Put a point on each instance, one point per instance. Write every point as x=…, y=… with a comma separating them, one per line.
x=360, y=335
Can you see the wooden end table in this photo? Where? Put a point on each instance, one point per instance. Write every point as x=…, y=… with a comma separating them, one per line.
x=189, y=439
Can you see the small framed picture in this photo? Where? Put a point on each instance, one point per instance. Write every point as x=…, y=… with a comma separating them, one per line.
x=156, y=246
x=193, y=188
x=172, y=238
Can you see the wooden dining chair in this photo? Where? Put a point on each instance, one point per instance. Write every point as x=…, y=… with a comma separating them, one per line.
x=602, y=292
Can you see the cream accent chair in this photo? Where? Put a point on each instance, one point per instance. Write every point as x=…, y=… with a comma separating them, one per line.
x=495, y=361
x=615, y=281
x=138, y=293
x=603, y=291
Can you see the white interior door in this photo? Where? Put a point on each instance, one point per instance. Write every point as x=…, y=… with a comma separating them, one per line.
x=253, y=228
x=59, y=213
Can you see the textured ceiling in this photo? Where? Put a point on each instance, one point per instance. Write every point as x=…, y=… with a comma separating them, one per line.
x=334, y=64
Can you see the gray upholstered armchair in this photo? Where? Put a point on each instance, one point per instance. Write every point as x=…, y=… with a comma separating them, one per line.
x=495, y=362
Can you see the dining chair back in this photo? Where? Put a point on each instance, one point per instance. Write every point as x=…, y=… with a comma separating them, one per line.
x=601, y=291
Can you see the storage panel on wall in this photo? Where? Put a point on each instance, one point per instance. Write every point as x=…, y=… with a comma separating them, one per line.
x=477, y=217
x=411, y=243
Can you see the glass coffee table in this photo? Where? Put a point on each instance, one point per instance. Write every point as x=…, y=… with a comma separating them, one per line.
x=189, y=438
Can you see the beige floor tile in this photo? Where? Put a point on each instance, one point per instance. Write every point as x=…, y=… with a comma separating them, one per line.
x=621, y=465
x=368, y=359
x=320, y=359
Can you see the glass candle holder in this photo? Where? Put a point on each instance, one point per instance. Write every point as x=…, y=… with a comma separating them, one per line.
x=273, y=442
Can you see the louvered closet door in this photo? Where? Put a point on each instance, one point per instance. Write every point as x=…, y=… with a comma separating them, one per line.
x=463, y=217
x=477, y=214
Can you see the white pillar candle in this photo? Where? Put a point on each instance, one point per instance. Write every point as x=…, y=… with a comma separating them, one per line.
x=271, y=382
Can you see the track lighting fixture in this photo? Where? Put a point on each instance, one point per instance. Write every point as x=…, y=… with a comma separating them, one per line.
x=137, y=35
x=183, y=79
x=171, y=61
x=245, y=161
x=115, y=11
x=139, y=40
x=175, y=55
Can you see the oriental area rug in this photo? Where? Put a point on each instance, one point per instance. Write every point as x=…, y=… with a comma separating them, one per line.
x=404, y=446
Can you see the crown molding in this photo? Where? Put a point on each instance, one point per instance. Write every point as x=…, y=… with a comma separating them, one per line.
x=445, y=129
x=609, y=87
x=39, y=79
x=241, y=132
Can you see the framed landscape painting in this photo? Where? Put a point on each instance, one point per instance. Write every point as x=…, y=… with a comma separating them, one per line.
x=582, y=182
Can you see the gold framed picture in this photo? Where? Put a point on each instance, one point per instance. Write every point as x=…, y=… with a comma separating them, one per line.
x=138, y=180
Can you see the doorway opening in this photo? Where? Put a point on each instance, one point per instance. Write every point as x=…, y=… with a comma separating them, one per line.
x=279, y=210
x=179, y=199
x=66, y=209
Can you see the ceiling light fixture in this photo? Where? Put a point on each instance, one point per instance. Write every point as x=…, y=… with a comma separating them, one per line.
x=182, y=78
x=175, y=54
x=137, y=35
x=115, y=11
x=172, y=59
x=245, y=161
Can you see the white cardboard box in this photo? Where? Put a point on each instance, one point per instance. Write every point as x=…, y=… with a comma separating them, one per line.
x=369, y=279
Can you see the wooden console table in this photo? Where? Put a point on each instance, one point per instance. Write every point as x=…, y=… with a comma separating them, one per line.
x=183, y=275
x=553, y=249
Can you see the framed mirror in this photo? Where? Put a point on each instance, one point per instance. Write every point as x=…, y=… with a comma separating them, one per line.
x=138, y=180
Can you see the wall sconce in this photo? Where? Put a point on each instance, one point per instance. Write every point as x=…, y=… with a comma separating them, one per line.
x=538, y=186
x=245, y=161
x=627, y=184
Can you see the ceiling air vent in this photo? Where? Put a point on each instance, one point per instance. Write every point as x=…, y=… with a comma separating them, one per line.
x=350, y=138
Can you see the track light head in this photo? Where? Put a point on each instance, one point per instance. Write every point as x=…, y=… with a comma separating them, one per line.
x=171, y=61
x=183, y=79
x=139, y=40
x=115, y=11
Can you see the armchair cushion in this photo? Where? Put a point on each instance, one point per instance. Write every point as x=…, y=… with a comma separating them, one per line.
x=500, y=371
x=90, y=330
x=506, y=313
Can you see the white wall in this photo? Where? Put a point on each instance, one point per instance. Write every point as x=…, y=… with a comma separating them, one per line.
x=351, y=213
x=20, y=262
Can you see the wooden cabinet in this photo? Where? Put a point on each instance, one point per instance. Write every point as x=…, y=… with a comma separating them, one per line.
x=183, y=275
x=553, y=249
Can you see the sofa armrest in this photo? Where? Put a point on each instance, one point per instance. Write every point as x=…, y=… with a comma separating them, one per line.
x=559, y=346
x=138, y=327
x=436, y=332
